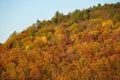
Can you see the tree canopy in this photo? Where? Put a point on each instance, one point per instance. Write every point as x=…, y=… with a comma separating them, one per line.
x=82, y=45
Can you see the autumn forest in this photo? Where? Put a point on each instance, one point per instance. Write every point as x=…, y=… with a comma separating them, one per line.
x=82, y=45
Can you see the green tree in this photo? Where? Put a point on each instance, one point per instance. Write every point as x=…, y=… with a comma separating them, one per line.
x=38, y=24
x=58, y=17
x=99, y=6
x=14, y=33
x=76, y=15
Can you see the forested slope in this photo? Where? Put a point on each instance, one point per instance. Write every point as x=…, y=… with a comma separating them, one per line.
x=82, y=45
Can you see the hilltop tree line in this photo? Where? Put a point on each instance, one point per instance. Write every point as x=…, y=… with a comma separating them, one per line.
x=82, y=45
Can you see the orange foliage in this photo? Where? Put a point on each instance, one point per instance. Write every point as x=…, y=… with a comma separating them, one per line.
x=83, y=45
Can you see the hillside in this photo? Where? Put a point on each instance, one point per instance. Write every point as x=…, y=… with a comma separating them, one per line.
x=82, y=45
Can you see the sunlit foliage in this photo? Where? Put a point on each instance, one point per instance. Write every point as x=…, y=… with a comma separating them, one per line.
x=82, y=45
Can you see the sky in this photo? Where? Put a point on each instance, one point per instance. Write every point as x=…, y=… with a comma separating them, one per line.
x=17, y=15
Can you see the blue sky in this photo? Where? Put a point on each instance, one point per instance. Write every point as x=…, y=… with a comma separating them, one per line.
x=17, y=15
